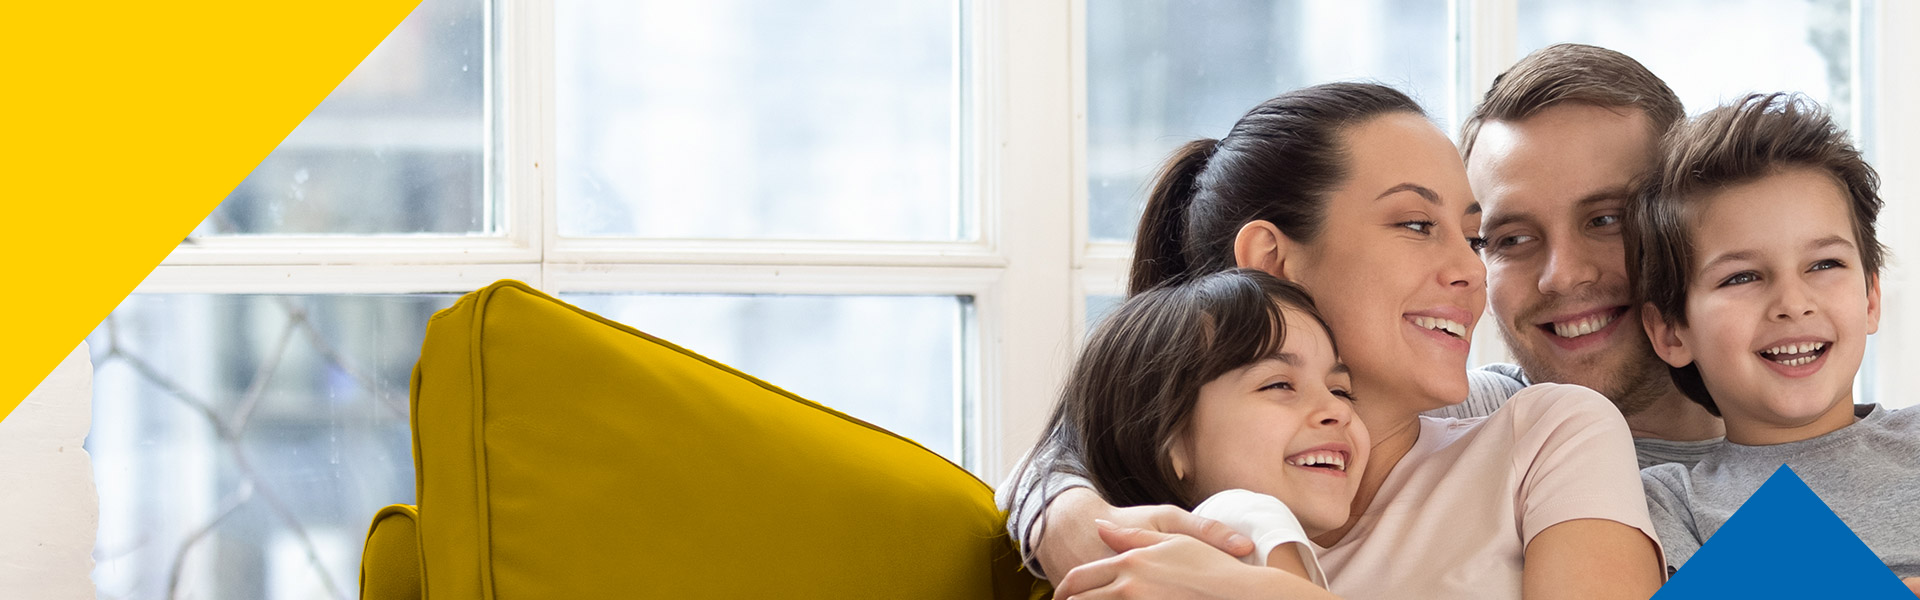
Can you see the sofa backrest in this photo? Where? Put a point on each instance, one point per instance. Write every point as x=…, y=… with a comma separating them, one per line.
x=563, y=455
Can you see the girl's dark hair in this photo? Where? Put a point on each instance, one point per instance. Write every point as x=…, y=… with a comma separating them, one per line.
x=1136, y=382
x=1277, y=164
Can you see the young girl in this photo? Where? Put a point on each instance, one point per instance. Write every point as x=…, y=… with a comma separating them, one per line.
x=1223, y=395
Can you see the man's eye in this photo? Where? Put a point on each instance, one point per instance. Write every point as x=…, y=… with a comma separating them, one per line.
x=1740, y=278
x=1511, y=241
x=1827, y=264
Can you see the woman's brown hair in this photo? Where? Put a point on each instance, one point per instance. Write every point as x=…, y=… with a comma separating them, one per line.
x=1136, y=382
x=1277, y=164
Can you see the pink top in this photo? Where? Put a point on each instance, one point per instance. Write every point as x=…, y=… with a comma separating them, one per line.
x=1454, y=517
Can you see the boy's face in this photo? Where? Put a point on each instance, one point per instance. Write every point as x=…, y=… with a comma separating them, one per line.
x=1283, y=426
x=1779, y=307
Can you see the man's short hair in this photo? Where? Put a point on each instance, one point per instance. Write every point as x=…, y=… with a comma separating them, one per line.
x=1573, y=73
x=1750, y=138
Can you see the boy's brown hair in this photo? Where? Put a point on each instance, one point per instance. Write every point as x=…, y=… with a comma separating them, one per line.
x=1750, y=138
x=1572, y=73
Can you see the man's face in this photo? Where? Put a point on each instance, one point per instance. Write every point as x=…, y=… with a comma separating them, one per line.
x=1554, y=186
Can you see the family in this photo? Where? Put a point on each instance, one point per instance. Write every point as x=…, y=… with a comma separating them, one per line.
x=1281, y=408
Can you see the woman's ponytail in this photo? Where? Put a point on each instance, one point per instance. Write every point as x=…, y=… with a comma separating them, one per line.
x=1158, y=247
x=1279, y=163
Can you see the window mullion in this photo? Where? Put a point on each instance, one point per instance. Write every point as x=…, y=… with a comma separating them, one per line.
x=526, y=121
x=1025, y=323
x=1488, y=35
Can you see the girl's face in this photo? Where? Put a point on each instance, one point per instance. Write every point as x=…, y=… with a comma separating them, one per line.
x=1393, y=269
x=1283, y=426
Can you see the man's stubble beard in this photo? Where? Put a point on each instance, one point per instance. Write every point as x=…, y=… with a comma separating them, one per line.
x=1634, y=384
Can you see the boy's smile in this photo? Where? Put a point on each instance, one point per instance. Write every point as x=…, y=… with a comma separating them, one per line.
x=1779, y=306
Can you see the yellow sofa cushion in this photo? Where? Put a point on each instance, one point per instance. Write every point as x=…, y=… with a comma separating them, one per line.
x=563, y=455
x=390, y=562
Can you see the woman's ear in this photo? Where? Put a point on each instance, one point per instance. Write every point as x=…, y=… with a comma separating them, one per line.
x=1665, y=337
x=1260, y=245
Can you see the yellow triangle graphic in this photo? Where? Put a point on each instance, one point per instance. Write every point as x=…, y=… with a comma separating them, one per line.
x=123, y=125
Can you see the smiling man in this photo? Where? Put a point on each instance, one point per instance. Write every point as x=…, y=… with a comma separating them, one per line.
x=1553, y=153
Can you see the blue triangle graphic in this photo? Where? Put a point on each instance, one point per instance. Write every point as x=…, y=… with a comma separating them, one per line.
x=1784, y=543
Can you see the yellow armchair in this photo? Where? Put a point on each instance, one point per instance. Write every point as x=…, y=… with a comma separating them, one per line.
x=558, y=454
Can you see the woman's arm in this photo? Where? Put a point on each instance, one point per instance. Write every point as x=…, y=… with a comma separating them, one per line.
x=1162, y=566
x=1051, y=512
x=1072, y=538
x=1582, y=506
x=1590, y=558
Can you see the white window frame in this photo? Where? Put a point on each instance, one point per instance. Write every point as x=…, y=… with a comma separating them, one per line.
x=1015, y=270
x=1030, y=267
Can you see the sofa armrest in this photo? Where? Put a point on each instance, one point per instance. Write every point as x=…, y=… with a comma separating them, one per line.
x=391, y=565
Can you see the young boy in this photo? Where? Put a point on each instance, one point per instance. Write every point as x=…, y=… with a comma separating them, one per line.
x=1756, y=257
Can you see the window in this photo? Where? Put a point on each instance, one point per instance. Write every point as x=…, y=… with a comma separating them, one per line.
x=941, y=191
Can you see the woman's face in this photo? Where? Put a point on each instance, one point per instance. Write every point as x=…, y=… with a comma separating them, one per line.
x=1283, y=426
x=1393, y=269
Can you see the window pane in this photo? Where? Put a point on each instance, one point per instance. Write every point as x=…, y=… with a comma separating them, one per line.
x=1163, y=72
x=758, y=119
x=241, y=443
x=888, y=360
x=398, y=147
x=1713, y=51
x=1099, y=306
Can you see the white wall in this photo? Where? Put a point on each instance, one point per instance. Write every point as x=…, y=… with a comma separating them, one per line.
x=48, y=508
x=1897, y=157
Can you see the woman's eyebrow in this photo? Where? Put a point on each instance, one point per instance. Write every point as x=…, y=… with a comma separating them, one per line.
x=1430, y=195
x=1424, y=192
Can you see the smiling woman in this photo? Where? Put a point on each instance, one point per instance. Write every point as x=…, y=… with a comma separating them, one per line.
x=1372, y=214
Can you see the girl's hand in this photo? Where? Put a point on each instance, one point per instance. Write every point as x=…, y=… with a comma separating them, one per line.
x=1158, y=565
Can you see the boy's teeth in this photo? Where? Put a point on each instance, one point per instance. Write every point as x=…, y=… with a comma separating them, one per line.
x=1800, y=353
x=1796, y=348
x=1573, y=329
x=1439, y=324
x=1328, y=458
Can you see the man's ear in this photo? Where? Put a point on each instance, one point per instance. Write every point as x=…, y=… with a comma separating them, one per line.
x=1260, y=245
x=1665, y=337
x=1873, y=303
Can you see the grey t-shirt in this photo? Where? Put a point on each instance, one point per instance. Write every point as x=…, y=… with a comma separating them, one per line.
x=1656, y=451
x=1867, y=472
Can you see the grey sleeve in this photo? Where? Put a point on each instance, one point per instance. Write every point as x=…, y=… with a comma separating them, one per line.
x=1668, y=488
x=1027, y=493
x=1488, y=389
